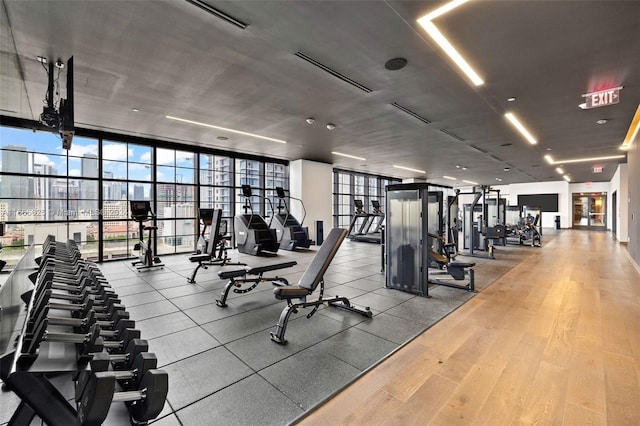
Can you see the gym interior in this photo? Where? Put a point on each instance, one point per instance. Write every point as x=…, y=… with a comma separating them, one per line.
x=390, y=212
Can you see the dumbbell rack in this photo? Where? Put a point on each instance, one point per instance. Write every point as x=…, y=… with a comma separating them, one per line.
x=25, y=371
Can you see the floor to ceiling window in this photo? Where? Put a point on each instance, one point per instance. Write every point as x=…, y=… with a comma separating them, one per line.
x=349, y=186
x=84, y=193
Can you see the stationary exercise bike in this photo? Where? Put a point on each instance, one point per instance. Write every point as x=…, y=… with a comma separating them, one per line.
x=141, y=212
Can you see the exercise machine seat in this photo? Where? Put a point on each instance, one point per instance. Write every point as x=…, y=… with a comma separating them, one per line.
x=288, y=293
x=458, y=264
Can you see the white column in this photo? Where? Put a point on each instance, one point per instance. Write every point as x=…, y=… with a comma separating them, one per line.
x=312, y=182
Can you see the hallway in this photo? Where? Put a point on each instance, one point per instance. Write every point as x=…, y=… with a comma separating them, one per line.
x=556, y=340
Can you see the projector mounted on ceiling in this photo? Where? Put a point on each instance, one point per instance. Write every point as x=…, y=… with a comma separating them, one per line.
x=59, y=118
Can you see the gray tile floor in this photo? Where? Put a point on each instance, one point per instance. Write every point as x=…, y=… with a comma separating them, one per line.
x=224, y=369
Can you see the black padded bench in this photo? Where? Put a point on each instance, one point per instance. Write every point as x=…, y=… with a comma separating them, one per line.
x=457, y=269
x=252, y=276
x=309, y=282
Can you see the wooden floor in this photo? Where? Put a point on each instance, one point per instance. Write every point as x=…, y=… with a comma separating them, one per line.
x=555, y=341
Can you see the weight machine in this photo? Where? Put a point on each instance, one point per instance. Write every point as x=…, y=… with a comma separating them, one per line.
x=483, y=222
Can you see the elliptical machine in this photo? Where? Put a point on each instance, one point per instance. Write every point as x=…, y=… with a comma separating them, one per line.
x=289, y=232
x=141, y=212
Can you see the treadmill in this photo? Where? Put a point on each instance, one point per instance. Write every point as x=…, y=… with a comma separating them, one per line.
x=363, y=233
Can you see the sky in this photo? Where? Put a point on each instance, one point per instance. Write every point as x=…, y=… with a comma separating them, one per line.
x=121, y=159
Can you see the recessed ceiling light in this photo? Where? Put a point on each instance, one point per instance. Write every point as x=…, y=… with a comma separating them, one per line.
x=464, y=168
x=511, y=99
x=331, y=126
x=470, y=182
x=135, y=109
x=436, y=35
x=222, y=138
x=514, y=121
x=348, y=156
x=449, y=177
x=41, y=59
x=310, y=120
x=499, y=180
x=549, y=149
x=409, y=169
x=457, y=167
x=253, y=135
x=395, y=64
x=601, y=121
x=506, y=169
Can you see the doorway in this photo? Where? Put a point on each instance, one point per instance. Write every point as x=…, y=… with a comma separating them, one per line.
x=614, y=213
x=590, y=211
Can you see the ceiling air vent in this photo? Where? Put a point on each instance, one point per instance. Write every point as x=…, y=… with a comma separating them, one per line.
x=333, y=72
x=411, y=113
x=215, y=12
x=478, y=149
x=453, y=135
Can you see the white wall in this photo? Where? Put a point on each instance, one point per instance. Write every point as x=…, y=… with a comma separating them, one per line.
x=511, y=192
x=312, y=182
x=620, y=183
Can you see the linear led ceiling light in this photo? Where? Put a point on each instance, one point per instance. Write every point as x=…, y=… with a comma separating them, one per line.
x=470, y=182
x=409, y=169
x=512, y=118
x=559, y=170
x=567, y=178
x=427, y=23
x=585, y=160
x=348, y=156
x=449, y=177
x=634, y=127
x=253, y=135
x=218, y=13
x=549, y=159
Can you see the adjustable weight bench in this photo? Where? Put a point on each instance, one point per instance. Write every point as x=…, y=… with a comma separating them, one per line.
x=217, y=240
x=251, y=276
x=310, y=280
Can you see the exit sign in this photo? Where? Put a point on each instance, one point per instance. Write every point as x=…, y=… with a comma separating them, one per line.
x=598, y=169
x=602, y=98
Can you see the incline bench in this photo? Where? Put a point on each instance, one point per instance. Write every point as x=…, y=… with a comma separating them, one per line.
x=312, y=277
x=239, y=277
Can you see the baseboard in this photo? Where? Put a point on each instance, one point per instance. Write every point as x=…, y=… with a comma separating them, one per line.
x=632, y=260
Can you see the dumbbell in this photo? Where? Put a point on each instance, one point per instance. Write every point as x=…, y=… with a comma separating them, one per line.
x=60, y=273
x=104, y=310
x=75, y=293
x=128, y=379
x=87, y=343
x=109, y=329
x=99, y=393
